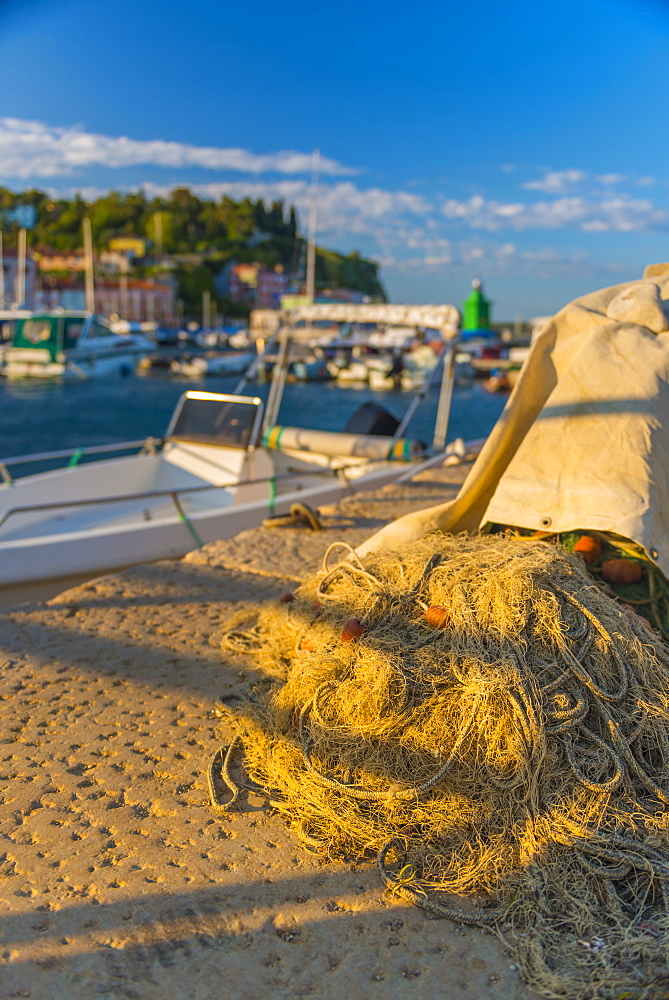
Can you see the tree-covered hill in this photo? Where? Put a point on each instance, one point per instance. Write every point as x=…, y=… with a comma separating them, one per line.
x=197, y=237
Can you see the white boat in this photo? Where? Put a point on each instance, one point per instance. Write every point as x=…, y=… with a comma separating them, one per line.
x=309, y=370
x=385, y=371
x=210, y=478
x=199, y=365
x=8, y=321
x=418, y=363
x=223, y=466
x=71, y=344
x=355, y=373
x=382, y=379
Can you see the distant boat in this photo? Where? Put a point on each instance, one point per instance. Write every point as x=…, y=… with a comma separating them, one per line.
x=309, y=371
x=381, y=380
x=8, y=320
x=418, y=363
x=71, y=344
x=355, y=373
x=199, y=365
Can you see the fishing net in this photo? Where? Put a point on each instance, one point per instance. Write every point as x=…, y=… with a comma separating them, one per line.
x=646, y=591
x=479, y=716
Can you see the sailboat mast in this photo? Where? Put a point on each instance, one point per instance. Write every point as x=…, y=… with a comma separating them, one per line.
x=21, y=269
x=2, y=275
x=88, y=263
x=125, y=305
x=313, y=225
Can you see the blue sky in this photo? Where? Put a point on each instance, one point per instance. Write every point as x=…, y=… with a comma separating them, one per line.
x=518, y=142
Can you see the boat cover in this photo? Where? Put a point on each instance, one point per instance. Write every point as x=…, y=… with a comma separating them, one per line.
x=443, y=317
x=266, y=322
x=583, y=441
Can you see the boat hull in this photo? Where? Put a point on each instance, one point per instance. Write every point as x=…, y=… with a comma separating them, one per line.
x=75, y=367
x=93, y=551
x=225, y=364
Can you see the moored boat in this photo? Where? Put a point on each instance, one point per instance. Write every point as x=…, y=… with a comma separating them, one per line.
x=199, y=365
x=417, y=364
x=354, y=373
x=223, y=465
x=309, y=370
x=214, y=474
x=71, y=344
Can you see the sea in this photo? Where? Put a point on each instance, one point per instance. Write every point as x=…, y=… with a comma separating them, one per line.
x=39, y=416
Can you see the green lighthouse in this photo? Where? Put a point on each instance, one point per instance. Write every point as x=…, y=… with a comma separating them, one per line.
x=476, y=309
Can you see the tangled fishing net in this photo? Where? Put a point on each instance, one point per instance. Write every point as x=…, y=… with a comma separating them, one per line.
x=495, y=733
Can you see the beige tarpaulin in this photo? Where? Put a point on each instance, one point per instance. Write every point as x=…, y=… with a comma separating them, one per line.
x=583, y=441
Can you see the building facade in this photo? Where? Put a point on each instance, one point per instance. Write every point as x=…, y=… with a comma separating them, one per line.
x=139, y=301
x=257, y=286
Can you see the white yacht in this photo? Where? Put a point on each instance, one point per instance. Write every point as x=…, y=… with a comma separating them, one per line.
x=71, y=344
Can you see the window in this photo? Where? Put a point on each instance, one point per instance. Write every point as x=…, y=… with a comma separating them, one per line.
x=36, y=331
x=73, y=328
x=98, y=330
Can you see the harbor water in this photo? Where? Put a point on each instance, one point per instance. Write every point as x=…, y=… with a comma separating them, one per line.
x=41, y=415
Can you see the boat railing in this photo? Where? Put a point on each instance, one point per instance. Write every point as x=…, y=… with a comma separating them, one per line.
x=177, y=495
x=148, y=445
x=339, y=471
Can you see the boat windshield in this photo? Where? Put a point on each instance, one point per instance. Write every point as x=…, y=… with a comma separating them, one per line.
x=73, y=328
x=228, y=423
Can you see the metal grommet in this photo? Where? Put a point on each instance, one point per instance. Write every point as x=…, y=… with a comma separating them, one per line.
x=545, y=522
x=653, y=553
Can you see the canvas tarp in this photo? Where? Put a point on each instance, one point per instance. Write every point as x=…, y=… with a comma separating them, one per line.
x=583, y=441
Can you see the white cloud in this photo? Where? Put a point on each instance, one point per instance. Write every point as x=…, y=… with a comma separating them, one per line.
x=344, y=204
x=33, y=149
x=556, y=181
x=497, y=259
x=610, y=180
x=614, y=214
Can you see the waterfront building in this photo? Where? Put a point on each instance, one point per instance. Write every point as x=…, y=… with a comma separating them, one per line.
x=256, y=285
x=137, y=300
